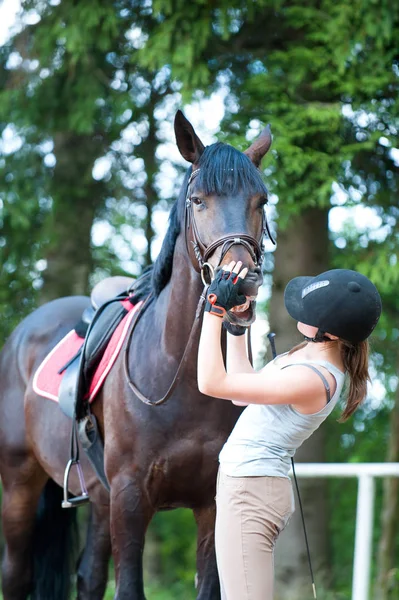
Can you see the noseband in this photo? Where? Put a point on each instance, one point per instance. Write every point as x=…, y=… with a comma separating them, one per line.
x=202, y=252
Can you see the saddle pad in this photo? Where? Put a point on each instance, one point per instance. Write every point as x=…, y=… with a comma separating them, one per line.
x=47, y=380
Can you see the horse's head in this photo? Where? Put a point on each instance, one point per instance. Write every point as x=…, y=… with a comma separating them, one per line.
x=224, y=214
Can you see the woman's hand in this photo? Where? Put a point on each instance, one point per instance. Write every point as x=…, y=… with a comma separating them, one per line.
x=235, y=267
x=224, y=291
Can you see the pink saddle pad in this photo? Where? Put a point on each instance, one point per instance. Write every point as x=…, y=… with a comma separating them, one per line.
x=47, y=379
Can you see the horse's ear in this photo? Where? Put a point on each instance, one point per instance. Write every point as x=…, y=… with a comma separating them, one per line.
x=260, y=146
x=188, y=142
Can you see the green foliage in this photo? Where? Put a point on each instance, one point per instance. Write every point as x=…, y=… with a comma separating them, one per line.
x=70, y=87
x=176, y=534
x=22, y=215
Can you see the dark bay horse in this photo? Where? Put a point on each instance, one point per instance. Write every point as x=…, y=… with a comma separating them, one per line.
x=156, y=457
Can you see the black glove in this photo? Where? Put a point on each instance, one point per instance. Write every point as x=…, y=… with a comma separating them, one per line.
x=224, y=293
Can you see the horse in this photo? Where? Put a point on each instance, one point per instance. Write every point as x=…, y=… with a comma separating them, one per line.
x=160, y=449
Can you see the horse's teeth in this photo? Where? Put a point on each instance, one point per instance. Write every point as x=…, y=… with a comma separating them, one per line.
x=241, y=308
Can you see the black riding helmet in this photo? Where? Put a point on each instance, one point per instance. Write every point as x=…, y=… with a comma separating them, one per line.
x=341, y=302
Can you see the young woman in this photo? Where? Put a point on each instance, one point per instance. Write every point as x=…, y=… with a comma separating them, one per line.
x=287, y=401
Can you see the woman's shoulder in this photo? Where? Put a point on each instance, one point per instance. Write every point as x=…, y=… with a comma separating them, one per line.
x=299, y=358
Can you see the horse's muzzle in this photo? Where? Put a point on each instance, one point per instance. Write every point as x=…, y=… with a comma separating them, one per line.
x=244, y=315
x=252, y=282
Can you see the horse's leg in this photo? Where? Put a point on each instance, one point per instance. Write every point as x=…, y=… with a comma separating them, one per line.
x=93, y=563
x=19, y=507
x=131, y=513
x=207, y=576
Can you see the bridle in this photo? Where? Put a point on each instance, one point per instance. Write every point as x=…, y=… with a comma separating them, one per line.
x=203, y=253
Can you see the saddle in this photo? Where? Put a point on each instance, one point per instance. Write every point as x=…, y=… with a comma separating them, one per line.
x=97, y=325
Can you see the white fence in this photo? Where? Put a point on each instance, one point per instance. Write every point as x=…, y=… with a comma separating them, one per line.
x=365, y=473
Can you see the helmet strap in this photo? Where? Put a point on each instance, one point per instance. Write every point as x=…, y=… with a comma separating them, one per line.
x=319, y=337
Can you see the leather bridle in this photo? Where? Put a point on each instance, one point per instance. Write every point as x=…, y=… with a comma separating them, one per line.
x=202, y=252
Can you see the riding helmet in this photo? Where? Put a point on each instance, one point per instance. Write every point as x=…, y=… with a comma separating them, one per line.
x=342, y=302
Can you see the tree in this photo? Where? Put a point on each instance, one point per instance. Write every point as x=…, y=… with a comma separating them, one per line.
x=88, y=101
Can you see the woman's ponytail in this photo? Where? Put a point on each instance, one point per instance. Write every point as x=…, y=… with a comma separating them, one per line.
x=355, y=358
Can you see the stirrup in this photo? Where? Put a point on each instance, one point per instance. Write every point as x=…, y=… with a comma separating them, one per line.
x=74, y=501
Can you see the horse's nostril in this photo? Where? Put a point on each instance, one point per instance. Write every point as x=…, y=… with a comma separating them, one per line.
x=255, y=275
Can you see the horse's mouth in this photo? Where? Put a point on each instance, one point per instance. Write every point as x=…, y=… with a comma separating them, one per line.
x=244, y=314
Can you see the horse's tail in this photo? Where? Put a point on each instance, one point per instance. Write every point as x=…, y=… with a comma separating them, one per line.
x=55, y=546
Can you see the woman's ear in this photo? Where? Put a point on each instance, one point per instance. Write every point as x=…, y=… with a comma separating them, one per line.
x=333, y=338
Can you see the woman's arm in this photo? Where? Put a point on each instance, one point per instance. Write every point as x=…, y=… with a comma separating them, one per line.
x=273, y=386
x=210, y=367
x=237, y=358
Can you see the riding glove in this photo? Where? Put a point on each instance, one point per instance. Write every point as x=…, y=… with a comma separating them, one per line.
x=224, y=293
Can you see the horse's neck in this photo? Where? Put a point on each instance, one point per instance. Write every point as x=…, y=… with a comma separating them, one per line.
x=177, y=304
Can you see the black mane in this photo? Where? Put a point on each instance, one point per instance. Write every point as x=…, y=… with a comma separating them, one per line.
x=156, y=276
x=227, y=171
x=223, y=171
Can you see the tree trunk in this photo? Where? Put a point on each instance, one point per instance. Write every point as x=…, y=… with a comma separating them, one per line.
x=386, y=567
x=302, y=250
x=76, y=198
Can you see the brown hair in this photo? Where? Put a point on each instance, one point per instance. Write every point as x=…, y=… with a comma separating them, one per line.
x=297, y=347
x=355, y=358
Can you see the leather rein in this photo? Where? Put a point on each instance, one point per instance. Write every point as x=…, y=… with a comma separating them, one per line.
x=202, y=254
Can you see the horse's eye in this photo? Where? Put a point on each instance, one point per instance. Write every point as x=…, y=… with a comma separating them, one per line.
x=197, y=201
x=262, y=203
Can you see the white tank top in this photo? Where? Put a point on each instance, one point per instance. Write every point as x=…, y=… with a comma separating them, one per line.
x=266, y=436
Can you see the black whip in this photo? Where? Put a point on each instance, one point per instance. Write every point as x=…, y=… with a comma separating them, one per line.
x=271, y=337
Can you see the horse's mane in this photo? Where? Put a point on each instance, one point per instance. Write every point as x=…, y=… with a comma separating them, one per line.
x=155, y=277
x=224, y=171
x=162, y=270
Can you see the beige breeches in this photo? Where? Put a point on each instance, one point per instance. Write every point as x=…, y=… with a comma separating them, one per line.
x=251, y=512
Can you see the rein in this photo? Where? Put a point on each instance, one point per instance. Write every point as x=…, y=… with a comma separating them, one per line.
x=202, y=254
x=187, y=349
